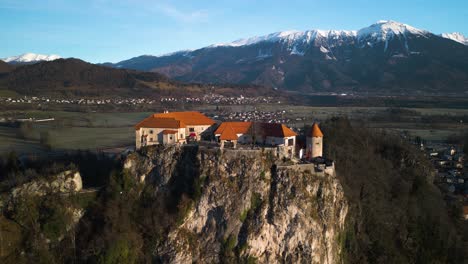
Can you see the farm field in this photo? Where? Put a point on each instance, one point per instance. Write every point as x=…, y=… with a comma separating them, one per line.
x=69, y=131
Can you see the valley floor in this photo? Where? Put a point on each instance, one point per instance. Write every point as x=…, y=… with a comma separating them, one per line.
x=104, y=130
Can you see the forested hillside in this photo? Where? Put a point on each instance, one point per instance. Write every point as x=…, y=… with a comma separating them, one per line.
x=397, y=214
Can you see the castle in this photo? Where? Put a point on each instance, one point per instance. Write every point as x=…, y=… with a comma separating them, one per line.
x=184, y=127
x=172, y=128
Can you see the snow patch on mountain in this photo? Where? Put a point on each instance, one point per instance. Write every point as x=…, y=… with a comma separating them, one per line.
x=455, y=36
x=323, y=49
x=292, y=36
x=254, y=40
x=384, y=30
x=185, y=53
x=30, y=57
x=295, y=51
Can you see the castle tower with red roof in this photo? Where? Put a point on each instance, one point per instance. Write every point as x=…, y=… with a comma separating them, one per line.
x=314, y=142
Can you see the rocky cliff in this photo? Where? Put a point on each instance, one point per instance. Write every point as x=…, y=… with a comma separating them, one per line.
x=40, y=213
x=243, y=205
x=180, y=204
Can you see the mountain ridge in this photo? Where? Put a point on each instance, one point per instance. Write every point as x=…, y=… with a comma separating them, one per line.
x=385, y=58
x=76, y=77
x=388, y=58
x=456, y=36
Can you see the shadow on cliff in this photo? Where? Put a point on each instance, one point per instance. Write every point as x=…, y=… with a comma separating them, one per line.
x=184, y=182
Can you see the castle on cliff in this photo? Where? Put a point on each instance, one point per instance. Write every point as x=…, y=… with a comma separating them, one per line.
x=185, y=127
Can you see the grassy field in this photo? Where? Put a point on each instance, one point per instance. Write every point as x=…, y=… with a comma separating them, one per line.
x=11, y=141
x=79, y=130
x=375, y=117
x=70, y=131
x=8, y=93
x=325, y=112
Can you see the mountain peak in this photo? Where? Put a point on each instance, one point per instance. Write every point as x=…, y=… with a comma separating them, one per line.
x=30, y=58
x=385, y=29
x=456, y=36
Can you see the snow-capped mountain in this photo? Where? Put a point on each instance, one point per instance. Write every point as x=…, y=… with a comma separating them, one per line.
x=289, y=37
x=387, y=29
x=455, y=36
x=381, y=31
x=387, y=56
x=295, y=41
x=29, y=58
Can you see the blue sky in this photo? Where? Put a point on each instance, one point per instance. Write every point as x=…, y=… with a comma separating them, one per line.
x=114, y=30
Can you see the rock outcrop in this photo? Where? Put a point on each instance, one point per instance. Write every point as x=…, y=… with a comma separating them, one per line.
x=64, y=182
x=245, y=205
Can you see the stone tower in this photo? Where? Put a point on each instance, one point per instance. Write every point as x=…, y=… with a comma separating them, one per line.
x=314, y=142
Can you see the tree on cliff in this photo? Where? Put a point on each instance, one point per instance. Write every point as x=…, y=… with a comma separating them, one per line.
x=397, y=214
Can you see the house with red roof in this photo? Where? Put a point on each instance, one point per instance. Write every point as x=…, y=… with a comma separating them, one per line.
x=172, y=128
x=265, y=134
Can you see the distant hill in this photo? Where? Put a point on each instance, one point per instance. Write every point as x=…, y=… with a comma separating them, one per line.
x=73, y=77
x=76, y=77
x=385, y=58
x=5, y=67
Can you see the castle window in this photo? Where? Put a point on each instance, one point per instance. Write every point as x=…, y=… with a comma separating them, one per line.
x=151, y=131
x=151, y=139
x=170, y=137
x=191, y=129
x=181, y=136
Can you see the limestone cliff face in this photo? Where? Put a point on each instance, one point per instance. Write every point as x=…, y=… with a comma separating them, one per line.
x=246, y=205
x=64, y=182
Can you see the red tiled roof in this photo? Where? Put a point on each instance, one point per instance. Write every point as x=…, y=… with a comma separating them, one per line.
x=189, y=118
x=238, y=127
x=175, y=120
x=228, y=133
x=264, y=129
x=287, y=132
x=316, y=132
x=273, y=130
x=153, y=122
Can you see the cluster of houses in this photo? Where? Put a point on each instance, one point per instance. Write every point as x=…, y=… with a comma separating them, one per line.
x=206, y=99
x=184, y=127
x=270, y=117
x=451, y=172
